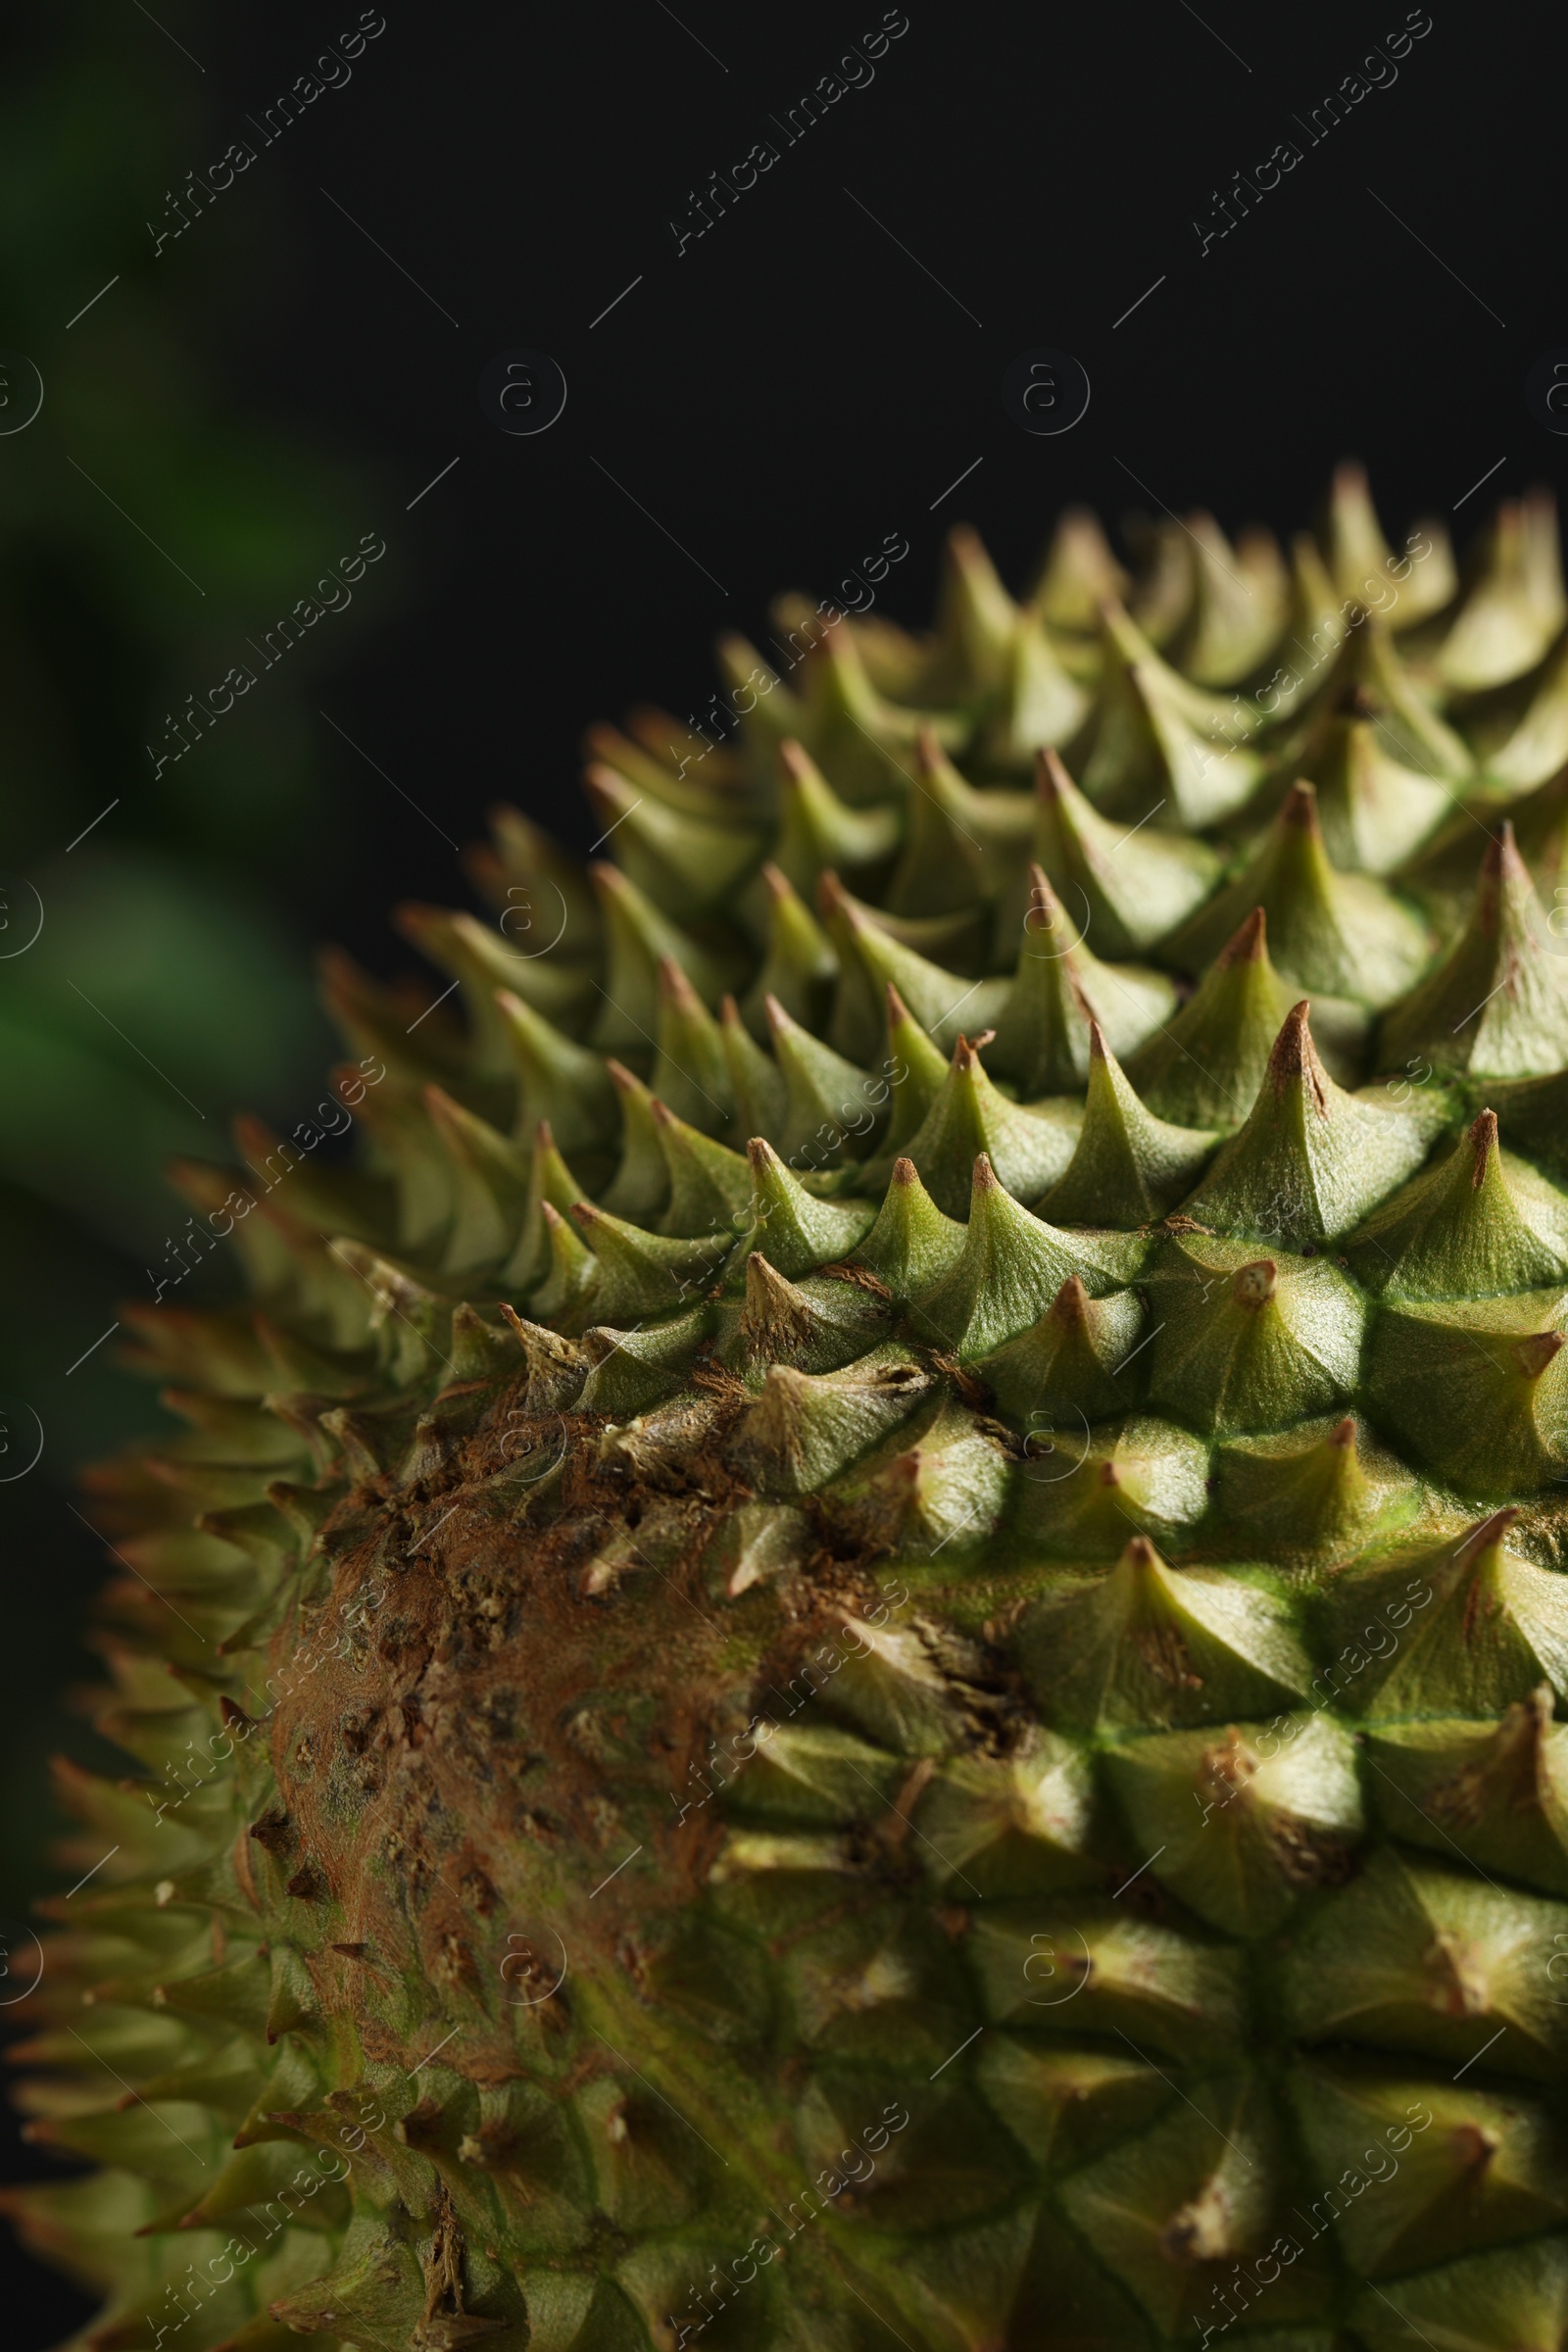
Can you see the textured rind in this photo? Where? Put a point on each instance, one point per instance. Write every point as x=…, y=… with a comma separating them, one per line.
x=819, y=1663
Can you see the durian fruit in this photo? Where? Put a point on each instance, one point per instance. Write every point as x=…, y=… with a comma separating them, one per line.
x=862, y=1640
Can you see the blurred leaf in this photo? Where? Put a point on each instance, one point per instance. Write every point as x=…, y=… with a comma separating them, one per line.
x=154, y=1002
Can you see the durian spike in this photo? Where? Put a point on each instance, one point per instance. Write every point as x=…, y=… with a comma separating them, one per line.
x=1458, y=1231
x=799, y=966
x=1310, y=1159
x=1138, y=885
x=1012, y=1266
x=1206, y=1064
x=691, y=1070
x=1339, y=934
x=1239, y=605
x=1515, y=601
x=683, y=863
x=1028, y=1151
x=1128, y=1167
x=1496, y=1006
x=1077, y=574
x=1042, y=1040
x=537, y=889
x=819, y=833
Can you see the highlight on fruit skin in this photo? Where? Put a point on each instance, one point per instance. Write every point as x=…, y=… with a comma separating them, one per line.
x=861, y=1641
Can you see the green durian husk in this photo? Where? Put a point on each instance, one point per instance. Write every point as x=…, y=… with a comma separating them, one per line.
x=864, y=1641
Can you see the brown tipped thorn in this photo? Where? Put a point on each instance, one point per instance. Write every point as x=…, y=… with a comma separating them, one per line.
x=1484, y=1532
x=1045, y=910
x=1534, y=1353
x=1502, y=862
x=253, y=1135
x=1071, y=1303
x=1248, y=944
x=673, y=984
x=764, y=1281
x=985, y=1179
x=1483, y=1142
x=603, y=785
x=414, y=918
x=1293, y=1055
x=1300, y=806
x=1052, y=779
x=1343, y=1434
x=904, y=1171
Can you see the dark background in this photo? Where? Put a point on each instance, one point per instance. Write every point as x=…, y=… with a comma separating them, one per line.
x=803, y=381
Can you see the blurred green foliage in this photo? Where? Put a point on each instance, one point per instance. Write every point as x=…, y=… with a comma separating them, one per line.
x=151, y=522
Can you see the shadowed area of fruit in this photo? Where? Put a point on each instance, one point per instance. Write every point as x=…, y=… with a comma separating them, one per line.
x=863, y=1639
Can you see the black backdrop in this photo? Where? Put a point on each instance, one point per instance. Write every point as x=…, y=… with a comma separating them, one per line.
x=815, y=370
x=762, y=406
